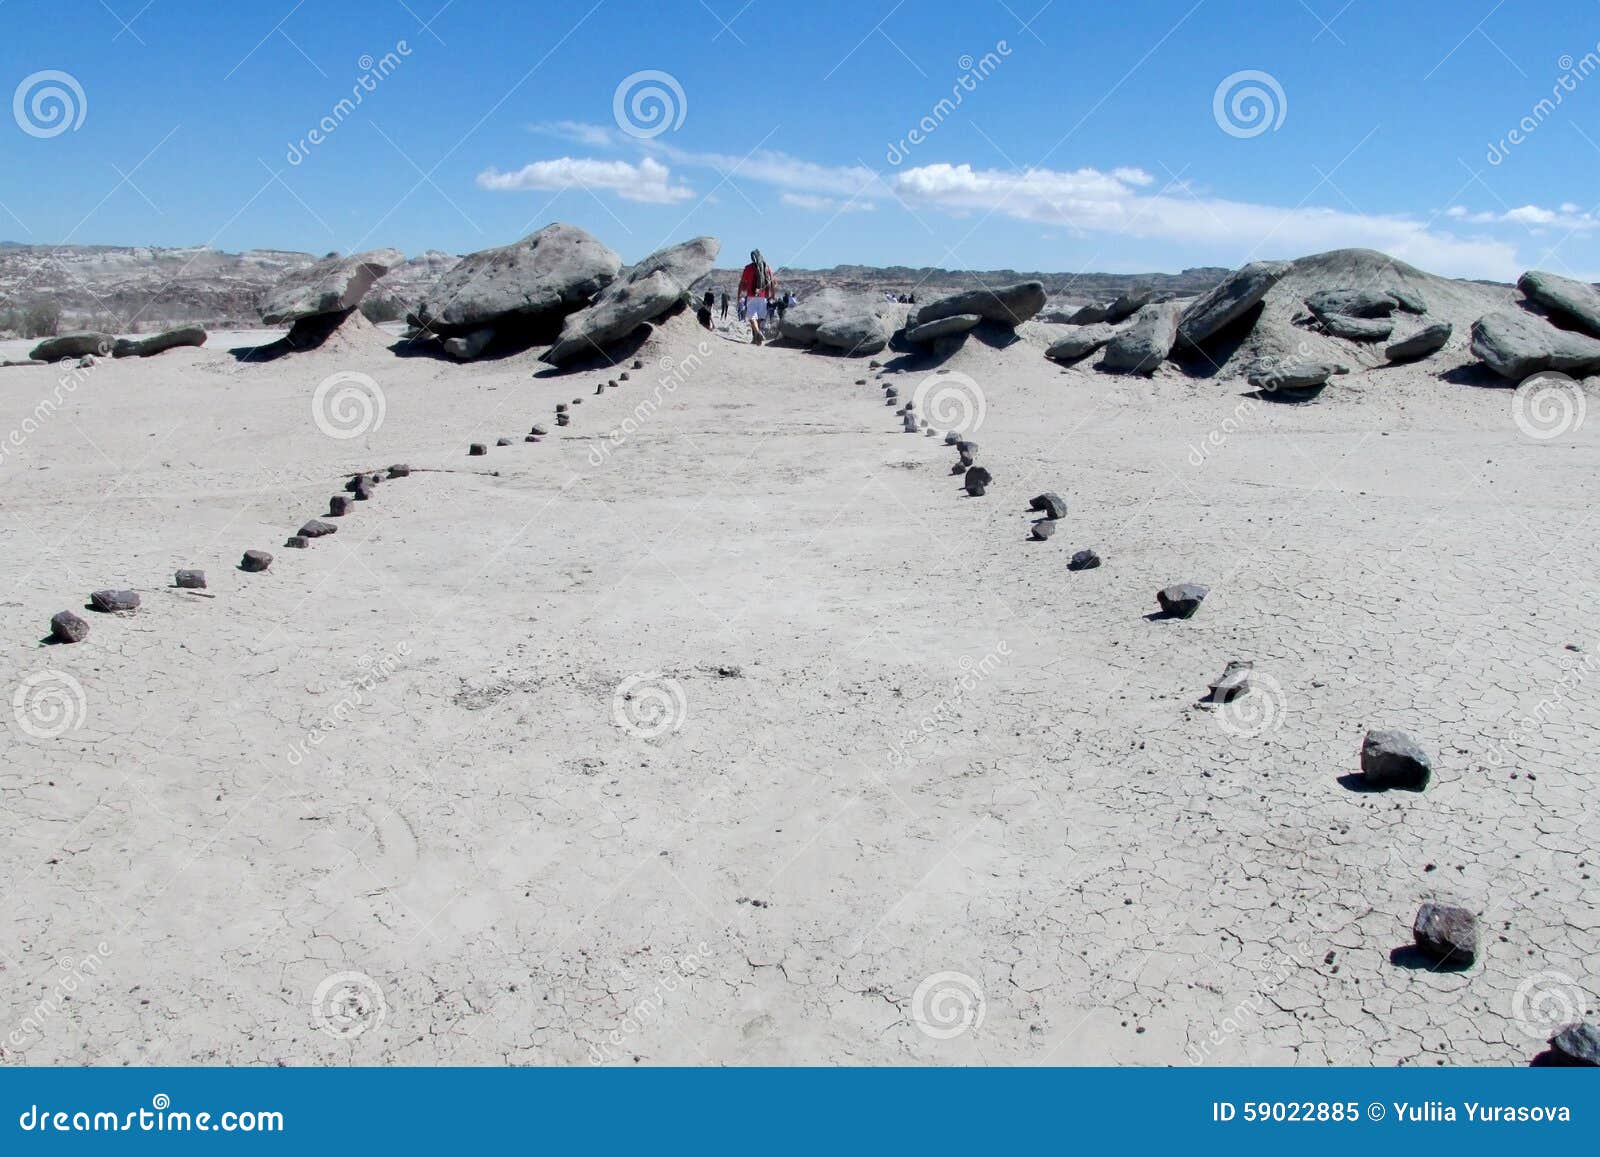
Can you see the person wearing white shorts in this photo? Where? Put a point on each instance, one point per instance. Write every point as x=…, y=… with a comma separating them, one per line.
x=756, y=287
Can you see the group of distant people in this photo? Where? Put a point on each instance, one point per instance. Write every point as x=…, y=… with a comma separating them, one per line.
x=758, y=298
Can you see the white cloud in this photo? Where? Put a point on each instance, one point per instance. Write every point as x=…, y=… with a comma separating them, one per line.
x=816, y=204
x=649, y=182
x=1536, y=218
x=1095, y=202
x=595, y=136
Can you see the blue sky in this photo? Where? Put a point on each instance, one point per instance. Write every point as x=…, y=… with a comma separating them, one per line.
x=1086, y=135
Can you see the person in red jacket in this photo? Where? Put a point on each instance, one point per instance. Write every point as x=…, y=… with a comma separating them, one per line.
x=756, y=287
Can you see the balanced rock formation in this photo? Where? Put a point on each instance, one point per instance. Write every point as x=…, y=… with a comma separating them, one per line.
x=1007, y=305
x=1145, y=344
x=334, y=285
x=1516, y=344
x=851, y=322
x=188, y=335
x=1236, y=296
x=657, y=285
x=1576, y=302
x=526, y=288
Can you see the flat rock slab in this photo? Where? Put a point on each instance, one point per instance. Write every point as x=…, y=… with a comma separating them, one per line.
x=1425, y=342
x=1294, y=377
x=189, y=335
x=66, y=627
x=109, y=601
x=1145, y=344
x=1575, y=301
x=657, y=285
x=1081, y=344
x=1446, y=934
x=1236, y=296
x=956, y=323
x=1182, y=600
x=1517, y=344
x=332, y=285
x=73, y=345
x=1392, y=759
x=1357, y=328
x=1352, y=302
x=1007, y=305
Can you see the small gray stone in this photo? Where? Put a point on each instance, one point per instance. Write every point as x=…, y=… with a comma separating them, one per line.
x=538, y=431
x=1083, y=560
x=338, y=506
x=1392, y=759
x=477, y=450
x=399, y=470
x=1234, y=681
x=255, y=560
x=503, y=442
x=1182, y=599
x=66, y=627
x=1446, y=933
x=1043, y=528
x=316, y=528
x=1577, y=1044
x=190, y=580
x=109, y=600
x=297, y=541
x=1050, y=503
x=977, y=481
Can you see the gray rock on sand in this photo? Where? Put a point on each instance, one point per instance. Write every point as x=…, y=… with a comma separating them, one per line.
x=190, y=580
x=852, y=322
x=1408, y=301
x=477, y=450
x=530, y=285
x=66, y=627
x=1081, y=343
x=188, y=335
x=1446, y=933
x=316, y=528
x=108, y=601
x=1577, y=1044
x=505, y=442
x=338, y=506
x=1145, y=344
x=1517, y=344
x=1233, y=682
x=335, y=284
x=77, y=344
x=1007, y=305
x=1085, y=315
x=1050, y=504
x=1226, y=303
x=255, y=561
x=1043, y=529
x=1392, y=759
x=928, y=331
x=977, y=481
x=1083, y=560
x=952, y=438
x=562, y=420
x=1575, y=301
x=1351, y=303
x=1357, y=328
x=1294, y=377
x=1126, y=305
x=296, y=541
x=399, y=470
x=1182, y=600
x=657, y=285
x=464, y=347
x=1425, y=342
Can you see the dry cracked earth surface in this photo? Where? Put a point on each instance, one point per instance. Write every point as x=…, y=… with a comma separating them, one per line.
x=746, y=737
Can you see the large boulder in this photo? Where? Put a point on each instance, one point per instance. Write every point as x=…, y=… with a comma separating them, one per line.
x=1236, y=296
x=530, y=285
x=80, y=343
x=1575, y=301
x=1128, y=304
x=332, y=285
x=1428, y=340
x=1516, y=344
x=1008, y=305
x=852, y=322
x=192, y=335
x=1145, y=344
x=655, y=286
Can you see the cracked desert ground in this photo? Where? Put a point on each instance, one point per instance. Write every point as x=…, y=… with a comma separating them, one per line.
x=1124, y=879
